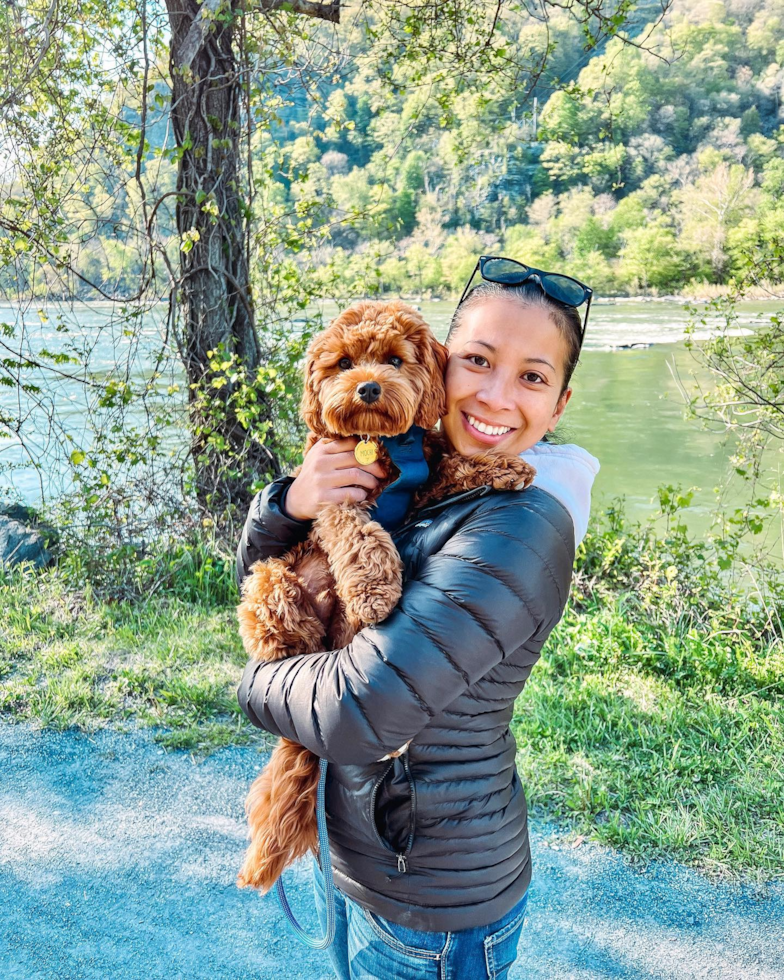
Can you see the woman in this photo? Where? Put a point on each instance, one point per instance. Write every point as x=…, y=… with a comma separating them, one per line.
x=430, y=850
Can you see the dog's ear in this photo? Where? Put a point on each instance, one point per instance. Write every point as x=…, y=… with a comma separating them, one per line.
x=310, y=406
x=433, y=356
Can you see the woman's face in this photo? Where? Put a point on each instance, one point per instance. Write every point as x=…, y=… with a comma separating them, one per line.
x=504, y=374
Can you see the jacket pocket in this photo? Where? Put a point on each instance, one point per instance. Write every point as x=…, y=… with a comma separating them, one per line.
x=393, y=811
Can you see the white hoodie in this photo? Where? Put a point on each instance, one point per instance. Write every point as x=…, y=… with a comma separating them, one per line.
x=567, y=472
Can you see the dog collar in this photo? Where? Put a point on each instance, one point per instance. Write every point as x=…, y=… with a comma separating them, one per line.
x=407, y=453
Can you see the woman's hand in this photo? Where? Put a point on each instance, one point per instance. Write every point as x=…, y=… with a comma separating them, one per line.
x=330, y=475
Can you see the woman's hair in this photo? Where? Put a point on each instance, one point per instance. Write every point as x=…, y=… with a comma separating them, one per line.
x=528, y=295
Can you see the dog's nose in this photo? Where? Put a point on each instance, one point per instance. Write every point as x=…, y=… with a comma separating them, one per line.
x=369, y=391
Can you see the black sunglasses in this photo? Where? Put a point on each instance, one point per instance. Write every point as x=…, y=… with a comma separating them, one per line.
x=508, y=272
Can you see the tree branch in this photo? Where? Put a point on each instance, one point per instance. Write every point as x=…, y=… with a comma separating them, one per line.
x=194, y=39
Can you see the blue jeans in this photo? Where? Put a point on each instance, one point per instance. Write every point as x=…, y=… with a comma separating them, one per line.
x=369, y=947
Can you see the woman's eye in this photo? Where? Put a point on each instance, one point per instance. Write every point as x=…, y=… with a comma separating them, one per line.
x=476, y=358
x=529, y=375
x=344, y=363
x=395, y=361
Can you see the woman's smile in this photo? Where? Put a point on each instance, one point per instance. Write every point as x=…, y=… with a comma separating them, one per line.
x=484, y=430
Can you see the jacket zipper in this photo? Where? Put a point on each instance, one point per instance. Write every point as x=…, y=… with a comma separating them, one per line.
x=402, y=856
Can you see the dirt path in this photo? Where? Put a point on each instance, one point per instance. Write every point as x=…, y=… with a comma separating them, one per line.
x=118, y=860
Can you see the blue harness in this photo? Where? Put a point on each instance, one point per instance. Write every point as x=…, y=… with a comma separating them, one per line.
x=407, y=453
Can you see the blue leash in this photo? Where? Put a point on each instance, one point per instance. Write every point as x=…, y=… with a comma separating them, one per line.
x=326, y=868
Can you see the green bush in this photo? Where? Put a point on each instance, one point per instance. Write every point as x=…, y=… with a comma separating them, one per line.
x=668, y=604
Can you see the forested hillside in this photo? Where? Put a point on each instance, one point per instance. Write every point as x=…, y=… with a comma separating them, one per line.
x=637, y=167
x=638, y=173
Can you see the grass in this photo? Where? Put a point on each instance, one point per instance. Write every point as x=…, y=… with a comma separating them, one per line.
x=653, y=722
x=649, y=765
x=71, y=659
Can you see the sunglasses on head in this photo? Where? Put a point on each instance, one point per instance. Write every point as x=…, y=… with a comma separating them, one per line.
x=508, y=272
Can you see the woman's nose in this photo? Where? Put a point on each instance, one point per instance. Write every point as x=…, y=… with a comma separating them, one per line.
x=496, y=393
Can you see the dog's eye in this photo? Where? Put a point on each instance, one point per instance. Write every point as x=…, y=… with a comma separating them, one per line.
x=396, y=361
x=344, y=363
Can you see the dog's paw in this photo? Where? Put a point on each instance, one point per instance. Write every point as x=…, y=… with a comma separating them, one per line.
x=276, y=617
x=368, y=606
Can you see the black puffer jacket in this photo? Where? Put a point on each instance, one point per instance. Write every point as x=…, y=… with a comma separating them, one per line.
x=436, y=839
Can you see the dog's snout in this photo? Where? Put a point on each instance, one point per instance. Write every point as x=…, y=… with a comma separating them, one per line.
x=369, y=391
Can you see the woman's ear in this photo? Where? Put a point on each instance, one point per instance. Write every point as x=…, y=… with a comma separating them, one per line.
x=434, y=356
x=563, y=401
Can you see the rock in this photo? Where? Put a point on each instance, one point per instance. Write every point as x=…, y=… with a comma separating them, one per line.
x=20, y=512
x=31, y=519
x=19, y=543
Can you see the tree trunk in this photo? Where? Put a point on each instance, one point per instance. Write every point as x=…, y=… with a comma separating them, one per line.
x=213, y=296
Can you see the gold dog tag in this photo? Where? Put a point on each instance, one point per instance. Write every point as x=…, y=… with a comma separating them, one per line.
x=366, y=452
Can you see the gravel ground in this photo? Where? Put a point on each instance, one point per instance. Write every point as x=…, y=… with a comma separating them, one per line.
x=118, y=861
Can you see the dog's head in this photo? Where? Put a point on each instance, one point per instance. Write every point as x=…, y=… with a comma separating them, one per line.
x=376, y=370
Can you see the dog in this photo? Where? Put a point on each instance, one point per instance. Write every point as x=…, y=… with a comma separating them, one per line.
x=377, y=372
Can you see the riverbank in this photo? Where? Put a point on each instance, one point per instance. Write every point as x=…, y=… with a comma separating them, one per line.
x=627, y=408
x=654, y=721
x=699, y=291
x=692, y=292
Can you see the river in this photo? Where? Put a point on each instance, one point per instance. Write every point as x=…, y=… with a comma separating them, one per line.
x=626, y=409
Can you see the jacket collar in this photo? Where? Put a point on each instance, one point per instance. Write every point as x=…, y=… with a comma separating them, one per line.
x=415, y=516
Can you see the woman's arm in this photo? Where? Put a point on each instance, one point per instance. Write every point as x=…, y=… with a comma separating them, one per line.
x=501, y=579
x=269, y=530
